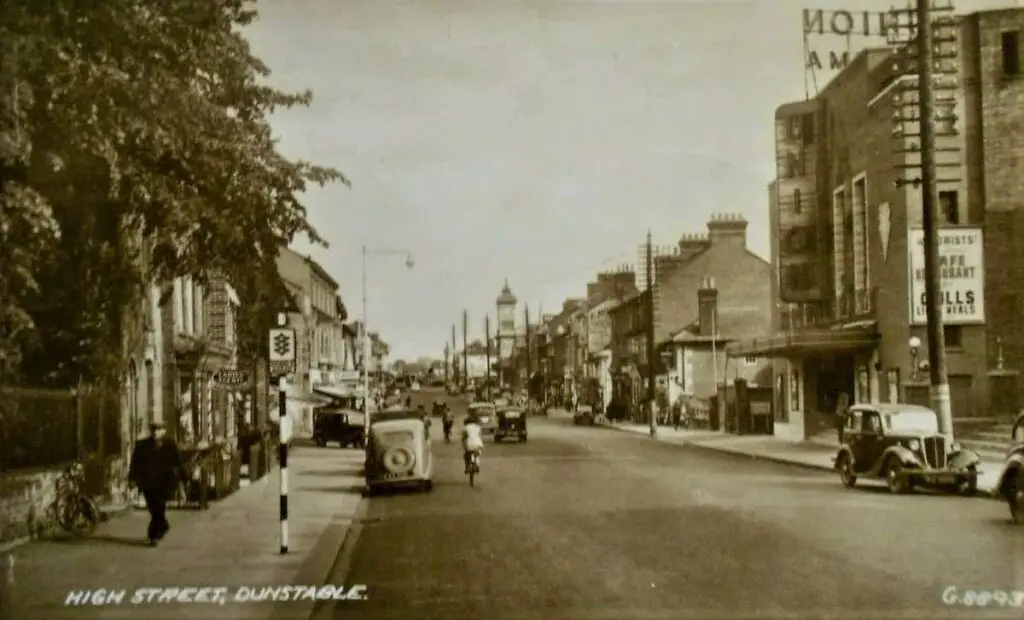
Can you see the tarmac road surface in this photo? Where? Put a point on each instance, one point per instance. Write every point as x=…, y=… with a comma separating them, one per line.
x=585, y=522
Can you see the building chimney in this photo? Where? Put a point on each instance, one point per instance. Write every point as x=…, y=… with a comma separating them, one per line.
x=728, y=229
x=707, y=307
x=691, y=245
x=593, y=288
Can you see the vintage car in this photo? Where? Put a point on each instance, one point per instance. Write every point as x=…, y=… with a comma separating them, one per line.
x=1010, y=485
x=902, y=444
x=398, y=451
x=340, y=420
x=487, y=415
x=343, y=426
x=584, y=414
x=511, y=423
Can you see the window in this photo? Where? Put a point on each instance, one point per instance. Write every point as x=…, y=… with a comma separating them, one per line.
x=795, y=127
x=797, y=208
x=954, y=336
x=794, y=390
x=808, y=128
x=949, y=205
x=872, y=424
x=853, y=421
x=1011, y=53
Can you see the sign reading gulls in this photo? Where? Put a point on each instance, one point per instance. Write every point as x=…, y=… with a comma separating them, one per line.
x=961, y=272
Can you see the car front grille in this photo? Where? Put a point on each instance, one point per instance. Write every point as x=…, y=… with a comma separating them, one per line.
x=935, y=451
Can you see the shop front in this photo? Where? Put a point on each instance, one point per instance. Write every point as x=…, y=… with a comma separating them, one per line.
x=818, y=372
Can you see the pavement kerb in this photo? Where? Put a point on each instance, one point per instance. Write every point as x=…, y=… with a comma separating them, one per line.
x=320, y=563
x=990, y=495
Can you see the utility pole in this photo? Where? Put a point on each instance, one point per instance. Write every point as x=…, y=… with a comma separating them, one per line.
x=921, y=44
x=934, y=302
x=487, y=340
x=446, y=375
x=650, y=339
x=455, y=372
x=529, y=353
x=465, y=350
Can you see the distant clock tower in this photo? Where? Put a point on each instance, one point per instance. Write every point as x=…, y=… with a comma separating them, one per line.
x=506, y=334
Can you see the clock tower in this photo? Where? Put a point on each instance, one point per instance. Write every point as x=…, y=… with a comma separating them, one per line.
x=506, y=334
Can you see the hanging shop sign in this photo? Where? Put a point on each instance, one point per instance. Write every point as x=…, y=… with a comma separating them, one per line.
x=961, y=272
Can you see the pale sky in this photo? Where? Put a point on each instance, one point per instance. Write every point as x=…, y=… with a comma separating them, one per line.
x=533, y=141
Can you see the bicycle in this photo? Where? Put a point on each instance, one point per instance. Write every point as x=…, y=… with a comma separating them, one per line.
x=474, y=466
x=72, y=508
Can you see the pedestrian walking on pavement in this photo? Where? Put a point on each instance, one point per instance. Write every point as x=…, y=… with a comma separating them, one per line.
x=156, y=470
x=677, y=413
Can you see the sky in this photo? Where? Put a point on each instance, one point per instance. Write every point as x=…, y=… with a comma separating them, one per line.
x=536, y=142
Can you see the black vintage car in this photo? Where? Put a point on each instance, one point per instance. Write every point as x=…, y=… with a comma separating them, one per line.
x=511, y=423
x=1010, y=485
x=901, y=443
x=337, y=425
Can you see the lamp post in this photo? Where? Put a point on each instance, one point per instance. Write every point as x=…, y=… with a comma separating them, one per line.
x=409, y=263
x=915, y=346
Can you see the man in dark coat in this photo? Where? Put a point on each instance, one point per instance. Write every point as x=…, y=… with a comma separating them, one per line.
x=157, y=470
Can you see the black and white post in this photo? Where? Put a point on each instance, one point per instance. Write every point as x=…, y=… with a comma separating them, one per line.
x=282, y=448
x=282, y=362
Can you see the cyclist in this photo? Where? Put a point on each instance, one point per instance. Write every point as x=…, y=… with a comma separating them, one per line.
x=472, y=439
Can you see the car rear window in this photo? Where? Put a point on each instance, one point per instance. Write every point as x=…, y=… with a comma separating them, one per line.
x=395, y=437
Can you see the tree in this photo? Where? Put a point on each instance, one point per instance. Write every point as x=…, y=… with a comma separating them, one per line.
x=123, y=121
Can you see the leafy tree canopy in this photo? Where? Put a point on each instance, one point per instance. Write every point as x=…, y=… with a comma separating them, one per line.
x=125, y=117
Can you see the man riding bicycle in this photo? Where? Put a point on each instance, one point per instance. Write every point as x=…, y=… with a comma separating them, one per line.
x=472, y=439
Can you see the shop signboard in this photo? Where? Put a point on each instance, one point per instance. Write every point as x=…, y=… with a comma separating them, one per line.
x=961, y=273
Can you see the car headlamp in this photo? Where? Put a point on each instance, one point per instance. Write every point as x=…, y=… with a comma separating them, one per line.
x=956, y=446
x=914, y=445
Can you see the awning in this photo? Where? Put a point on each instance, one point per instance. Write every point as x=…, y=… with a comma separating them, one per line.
x=804, y=342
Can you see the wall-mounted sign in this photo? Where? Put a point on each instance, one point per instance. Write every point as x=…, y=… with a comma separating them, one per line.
x=962, y=274
x=232, y=380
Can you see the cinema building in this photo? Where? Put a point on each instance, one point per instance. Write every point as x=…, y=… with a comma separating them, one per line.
x=848, y=265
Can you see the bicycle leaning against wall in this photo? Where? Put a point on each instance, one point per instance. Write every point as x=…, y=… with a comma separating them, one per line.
x=72, y=507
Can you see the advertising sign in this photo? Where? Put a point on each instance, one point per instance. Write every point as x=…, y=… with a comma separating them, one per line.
x=962, y=273
x=476, y=366
x=232, y=380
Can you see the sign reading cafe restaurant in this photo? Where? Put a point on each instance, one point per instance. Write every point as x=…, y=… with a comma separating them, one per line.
x=961, y=272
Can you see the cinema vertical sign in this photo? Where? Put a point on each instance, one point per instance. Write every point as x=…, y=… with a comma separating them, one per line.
x=840, y=24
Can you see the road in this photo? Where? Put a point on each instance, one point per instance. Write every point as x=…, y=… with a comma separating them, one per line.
x=588, y=522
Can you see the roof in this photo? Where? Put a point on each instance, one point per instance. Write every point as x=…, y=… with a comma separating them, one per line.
x=321, y=272
x=506, y=298
x=888, y=409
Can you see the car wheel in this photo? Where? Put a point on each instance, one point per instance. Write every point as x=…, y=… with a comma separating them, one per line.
x=1016, y=500
x=894, y=479
x=846, y=474
x=968, y=486
x=428, y=485
x=320, y=442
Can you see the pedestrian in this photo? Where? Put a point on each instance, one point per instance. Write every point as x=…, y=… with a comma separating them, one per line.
x=677, y=413
x=156, y=470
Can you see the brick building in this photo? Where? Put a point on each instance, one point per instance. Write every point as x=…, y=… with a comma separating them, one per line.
x=743, y=280
x=846, y=228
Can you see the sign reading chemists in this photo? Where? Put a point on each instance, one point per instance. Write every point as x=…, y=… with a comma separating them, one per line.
x=962, y=272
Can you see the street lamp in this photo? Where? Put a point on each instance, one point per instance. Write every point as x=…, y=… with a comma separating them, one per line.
x=915, y=346
x=409, y=263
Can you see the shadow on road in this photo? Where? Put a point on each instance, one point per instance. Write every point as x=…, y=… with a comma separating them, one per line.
x=125, y=541
x=341, y=471
x=344, y=488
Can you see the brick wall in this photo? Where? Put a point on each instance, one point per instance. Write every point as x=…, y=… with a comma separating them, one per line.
x=25, y=498
x=744, y=283
x=701, y=370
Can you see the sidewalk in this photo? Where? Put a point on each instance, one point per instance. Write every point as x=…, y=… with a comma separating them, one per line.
x=234, y=543
x=807, y=454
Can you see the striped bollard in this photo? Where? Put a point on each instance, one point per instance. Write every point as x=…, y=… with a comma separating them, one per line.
x=282, y=448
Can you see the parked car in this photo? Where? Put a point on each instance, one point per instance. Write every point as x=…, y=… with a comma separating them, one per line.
x=398, y=452
x=338, y=425
x=511, y=423
x=1010, y=485
x=902, y=444
x=584, y=414
x=487, y=415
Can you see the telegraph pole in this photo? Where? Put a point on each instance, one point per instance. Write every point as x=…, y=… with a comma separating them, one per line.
x=934, y=303
x=650, y=339
x=487, y=339
x=455, y=372
x=529, y=353
x=465, y=350
x=923, y=39
x=446, y=375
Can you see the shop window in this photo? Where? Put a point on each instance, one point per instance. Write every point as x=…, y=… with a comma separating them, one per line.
x=1011, y=53
x=794, y=390
x=954, y=336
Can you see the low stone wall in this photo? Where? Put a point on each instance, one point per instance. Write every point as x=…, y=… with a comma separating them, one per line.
x=25, y=500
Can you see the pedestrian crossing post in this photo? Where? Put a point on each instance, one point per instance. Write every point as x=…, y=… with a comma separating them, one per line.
x=282, y=449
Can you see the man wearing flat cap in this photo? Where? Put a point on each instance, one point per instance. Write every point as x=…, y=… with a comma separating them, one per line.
x=156, y=470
